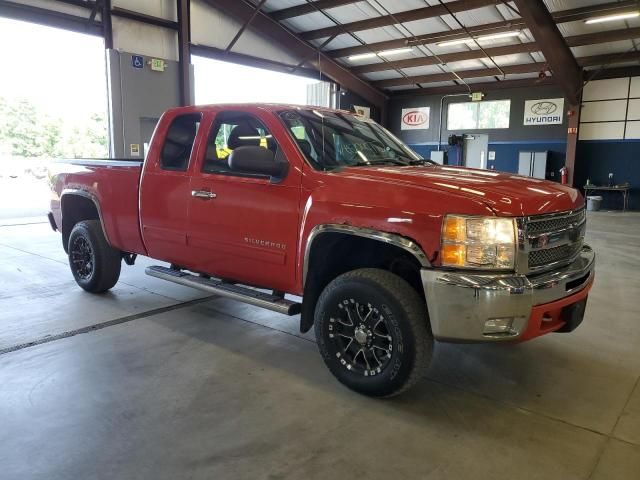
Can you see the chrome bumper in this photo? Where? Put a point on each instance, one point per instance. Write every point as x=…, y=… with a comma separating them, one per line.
x=460, y=303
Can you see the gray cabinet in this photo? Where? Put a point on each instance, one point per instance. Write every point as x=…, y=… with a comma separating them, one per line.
x=533, y=164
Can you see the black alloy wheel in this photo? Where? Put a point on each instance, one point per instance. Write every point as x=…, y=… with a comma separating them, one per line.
x=82, y=257
x=372, y=330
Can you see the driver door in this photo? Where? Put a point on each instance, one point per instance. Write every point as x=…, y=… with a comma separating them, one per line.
x=243, y=227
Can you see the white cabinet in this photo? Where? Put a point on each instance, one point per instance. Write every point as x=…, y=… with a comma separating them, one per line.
x=533, y=164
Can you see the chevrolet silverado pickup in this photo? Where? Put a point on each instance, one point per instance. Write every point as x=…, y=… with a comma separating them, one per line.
x=267, y=204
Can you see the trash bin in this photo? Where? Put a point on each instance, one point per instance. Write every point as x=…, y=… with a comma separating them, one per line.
x=593, y=203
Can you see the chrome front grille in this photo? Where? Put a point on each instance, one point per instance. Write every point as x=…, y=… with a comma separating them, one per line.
x=548, y=241
x=540, y=258
x=554, y=224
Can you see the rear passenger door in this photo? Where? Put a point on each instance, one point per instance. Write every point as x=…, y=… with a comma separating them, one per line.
x=244, y=227
x=165, y=188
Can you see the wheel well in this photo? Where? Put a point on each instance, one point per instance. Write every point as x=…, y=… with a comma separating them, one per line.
x=76, y=208
x=334, y=253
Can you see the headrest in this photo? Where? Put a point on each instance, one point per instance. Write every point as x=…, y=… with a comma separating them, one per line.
x=181, y=133
x=243, y=135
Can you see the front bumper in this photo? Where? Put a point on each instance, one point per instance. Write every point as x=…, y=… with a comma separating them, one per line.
x=460, y=303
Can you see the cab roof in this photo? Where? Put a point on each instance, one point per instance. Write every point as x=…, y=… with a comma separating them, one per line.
x=270, y=107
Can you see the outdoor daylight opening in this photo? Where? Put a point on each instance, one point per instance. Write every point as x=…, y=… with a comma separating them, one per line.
x=53, y=104
x=225, y=82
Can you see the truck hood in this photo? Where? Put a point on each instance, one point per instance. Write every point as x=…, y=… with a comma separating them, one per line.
x=505, y=193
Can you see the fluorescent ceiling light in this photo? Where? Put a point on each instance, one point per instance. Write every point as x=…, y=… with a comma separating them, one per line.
x=397, y=51
x=383, y=53
x=493, y=36
x=362, y=56
x=611, y=18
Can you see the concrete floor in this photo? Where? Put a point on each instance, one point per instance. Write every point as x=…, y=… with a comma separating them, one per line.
x=154, y=380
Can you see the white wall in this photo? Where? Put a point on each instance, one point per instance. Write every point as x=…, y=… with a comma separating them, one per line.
x=611, y=109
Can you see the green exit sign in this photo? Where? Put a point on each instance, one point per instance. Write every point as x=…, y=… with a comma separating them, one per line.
x=476, y=96
x=157, y=65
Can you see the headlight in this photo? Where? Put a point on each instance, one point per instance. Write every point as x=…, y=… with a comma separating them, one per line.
x=478, y=242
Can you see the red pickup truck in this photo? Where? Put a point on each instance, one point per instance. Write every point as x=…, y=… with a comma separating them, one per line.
x=269, y=203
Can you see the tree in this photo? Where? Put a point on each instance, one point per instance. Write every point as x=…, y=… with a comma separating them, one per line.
x=29, y=132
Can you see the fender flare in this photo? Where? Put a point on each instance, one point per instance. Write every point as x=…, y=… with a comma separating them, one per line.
x=394, y=239
x=89, y=196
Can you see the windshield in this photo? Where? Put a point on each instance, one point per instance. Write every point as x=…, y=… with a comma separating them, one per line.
x=334, y=139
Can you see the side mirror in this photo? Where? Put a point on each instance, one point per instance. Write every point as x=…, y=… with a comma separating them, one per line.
x=256, y=160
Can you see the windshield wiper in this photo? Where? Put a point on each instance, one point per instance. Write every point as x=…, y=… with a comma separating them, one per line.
x=392, y=161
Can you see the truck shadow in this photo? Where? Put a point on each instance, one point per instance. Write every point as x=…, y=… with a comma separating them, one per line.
x=542, y=376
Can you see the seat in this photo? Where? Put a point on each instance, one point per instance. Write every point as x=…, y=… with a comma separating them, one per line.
x=243, y=135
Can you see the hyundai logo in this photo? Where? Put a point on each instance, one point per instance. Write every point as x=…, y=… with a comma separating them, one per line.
x=543, y=108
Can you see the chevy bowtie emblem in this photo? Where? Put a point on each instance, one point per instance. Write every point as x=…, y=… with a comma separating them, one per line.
x=543, y=240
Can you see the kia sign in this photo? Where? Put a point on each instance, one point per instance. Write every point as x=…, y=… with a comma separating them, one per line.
x=415, y=118
x=546, y=111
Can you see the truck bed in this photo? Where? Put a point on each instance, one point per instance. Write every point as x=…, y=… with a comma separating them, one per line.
x=112, y=184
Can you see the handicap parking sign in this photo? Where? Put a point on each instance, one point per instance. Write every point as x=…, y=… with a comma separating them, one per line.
x=137, y=61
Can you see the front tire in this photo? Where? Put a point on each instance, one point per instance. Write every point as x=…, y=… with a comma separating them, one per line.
x=372, y=331
x=94, y=263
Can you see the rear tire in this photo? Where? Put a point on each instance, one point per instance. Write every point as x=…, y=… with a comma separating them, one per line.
x=94, y=263
x=373, y=333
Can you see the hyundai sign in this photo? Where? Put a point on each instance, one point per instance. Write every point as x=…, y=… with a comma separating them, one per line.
x=415, y=118
x=546, y=111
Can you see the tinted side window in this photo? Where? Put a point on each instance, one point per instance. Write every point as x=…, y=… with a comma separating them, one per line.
x=179, y=142
x=230, y=131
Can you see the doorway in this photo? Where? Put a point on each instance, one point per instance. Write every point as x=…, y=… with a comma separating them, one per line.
x=53, y=104
x=476, y=150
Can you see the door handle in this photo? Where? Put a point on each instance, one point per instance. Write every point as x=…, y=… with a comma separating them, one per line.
x=203, y=194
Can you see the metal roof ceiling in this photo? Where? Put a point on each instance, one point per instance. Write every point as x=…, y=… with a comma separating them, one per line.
x=425, y=55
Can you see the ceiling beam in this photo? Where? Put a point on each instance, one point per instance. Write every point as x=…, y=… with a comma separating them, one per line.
x=583, y=13
x=557, y=53
x=609, y=59
x=618, y=72
x=563, y=16
x=143, y=18
x=473, y=73
x=251, y=61
x=575, y=41
x=590, y=61
x=50, y=18
x=603, y=37
x=447, y=58
x=476, y=87
x=428, y=38
x=399, y=17
x=305, y=8
x=290, y=42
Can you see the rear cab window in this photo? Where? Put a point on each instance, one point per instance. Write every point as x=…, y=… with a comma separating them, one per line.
x=179, y=142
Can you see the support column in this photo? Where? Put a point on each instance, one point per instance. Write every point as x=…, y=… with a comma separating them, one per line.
x=572, y=140
x=184, y=51
x=107, y=29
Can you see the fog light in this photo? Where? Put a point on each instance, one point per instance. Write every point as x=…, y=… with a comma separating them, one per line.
x=497, y=325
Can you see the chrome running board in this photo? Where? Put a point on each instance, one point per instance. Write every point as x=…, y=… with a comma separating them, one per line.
x=229, y=290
